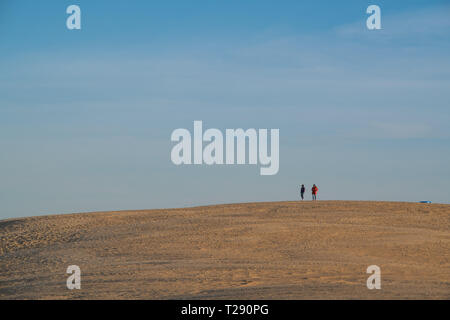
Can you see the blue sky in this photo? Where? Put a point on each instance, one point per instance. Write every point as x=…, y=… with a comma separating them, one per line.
x=86, y=116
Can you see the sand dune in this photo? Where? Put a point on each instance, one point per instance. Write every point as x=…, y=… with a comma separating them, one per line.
x=283, y=250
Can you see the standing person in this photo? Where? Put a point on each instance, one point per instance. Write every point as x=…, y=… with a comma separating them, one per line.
x=314, y=192
x=302, y=191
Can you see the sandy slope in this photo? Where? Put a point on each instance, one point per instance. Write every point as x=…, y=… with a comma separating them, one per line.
x=284, y=250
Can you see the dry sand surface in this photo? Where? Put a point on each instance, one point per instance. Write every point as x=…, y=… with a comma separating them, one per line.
x=282, y=250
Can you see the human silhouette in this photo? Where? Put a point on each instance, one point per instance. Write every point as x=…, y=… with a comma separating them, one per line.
x=314, y=192
x=302, y=191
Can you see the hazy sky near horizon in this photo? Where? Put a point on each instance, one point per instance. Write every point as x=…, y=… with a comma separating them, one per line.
x=86, y=115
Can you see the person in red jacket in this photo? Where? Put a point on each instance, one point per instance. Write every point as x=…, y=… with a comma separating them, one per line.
x=314, y=192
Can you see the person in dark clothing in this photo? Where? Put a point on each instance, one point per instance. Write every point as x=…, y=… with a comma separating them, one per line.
x=302, y=191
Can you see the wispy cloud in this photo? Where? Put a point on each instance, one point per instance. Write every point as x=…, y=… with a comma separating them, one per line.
x=389, y=130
